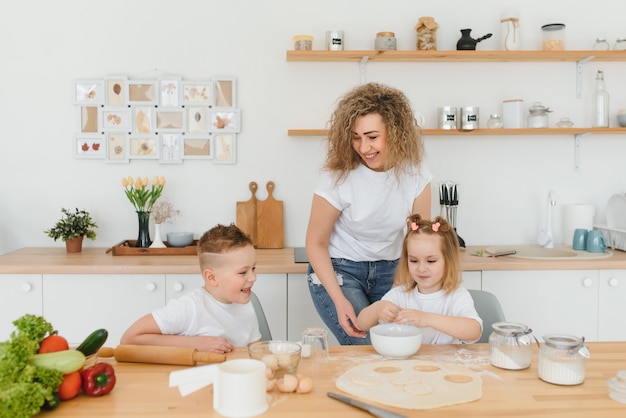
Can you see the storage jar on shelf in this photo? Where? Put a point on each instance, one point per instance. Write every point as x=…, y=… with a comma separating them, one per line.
x=538, y=117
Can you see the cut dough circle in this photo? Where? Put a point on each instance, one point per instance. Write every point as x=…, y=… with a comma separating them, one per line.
x=418, y=389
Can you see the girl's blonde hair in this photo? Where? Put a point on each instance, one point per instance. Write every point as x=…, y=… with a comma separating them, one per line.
x=449, y=248
x=405, y=147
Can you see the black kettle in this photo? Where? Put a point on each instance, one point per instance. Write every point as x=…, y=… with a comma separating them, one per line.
x=467, y=43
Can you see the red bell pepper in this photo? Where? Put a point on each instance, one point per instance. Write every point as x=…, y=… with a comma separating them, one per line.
x=98, y=380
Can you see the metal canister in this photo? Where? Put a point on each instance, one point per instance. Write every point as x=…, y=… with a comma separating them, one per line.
x=334, y=40
x=469, y=118
x=447, y=118
x=510, y=346
x=385, y=41
x=562, y=359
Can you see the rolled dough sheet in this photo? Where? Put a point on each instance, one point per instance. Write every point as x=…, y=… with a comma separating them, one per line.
x=412, y=384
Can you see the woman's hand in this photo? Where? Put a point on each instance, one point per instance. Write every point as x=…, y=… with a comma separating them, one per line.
x=347, y=319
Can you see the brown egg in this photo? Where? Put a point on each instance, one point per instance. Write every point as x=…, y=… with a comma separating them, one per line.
x=269, y=384
x=305, y=385
x=287, y=384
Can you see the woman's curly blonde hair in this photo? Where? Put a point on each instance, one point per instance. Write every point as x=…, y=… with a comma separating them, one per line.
x=405, y=147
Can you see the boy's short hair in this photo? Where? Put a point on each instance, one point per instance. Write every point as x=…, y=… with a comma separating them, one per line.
x=219, y=240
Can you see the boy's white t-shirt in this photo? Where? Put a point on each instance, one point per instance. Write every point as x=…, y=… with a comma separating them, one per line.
x=374, y=207
x=197, y=313
x=458, y=303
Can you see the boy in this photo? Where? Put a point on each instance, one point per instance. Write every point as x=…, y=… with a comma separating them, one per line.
x=216, y=317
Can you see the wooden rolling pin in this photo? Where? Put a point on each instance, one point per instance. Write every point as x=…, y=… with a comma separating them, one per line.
x=156, y=354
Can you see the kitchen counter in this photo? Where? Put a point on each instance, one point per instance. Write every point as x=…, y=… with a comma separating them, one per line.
x=54, y=260
x=143, y=389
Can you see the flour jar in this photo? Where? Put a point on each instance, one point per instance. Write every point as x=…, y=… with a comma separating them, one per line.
x=469, y=118
x=510, y=346
x=562, y=359
x=334, y=40
x=447, y=118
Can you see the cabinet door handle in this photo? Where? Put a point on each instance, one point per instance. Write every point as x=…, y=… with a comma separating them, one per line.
x=178, y=287
x=587, y=282
x=27, y=287
x=151, y=287
x=613, y=282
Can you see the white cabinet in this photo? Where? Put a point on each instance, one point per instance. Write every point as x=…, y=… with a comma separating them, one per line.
x=548, y=301
x=19, y=294
x=271, y=290
x=612, y=306
x=77, y=304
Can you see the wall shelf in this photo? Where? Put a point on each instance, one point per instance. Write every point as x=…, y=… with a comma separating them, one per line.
x=454, y=56
x=475, y=132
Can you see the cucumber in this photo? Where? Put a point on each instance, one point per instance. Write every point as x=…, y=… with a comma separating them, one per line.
x=66, y=361
x=93, y=342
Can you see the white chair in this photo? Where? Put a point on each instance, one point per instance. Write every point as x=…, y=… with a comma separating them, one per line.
x=264, y=327
x=489, y=310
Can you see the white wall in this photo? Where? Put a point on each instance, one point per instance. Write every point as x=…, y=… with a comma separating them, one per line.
x=504, y=181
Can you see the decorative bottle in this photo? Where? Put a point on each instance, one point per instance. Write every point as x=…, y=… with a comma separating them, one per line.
x=600, y=103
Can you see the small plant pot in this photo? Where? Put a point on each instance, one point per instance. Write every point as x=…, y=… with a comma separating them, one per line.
x=74, y=245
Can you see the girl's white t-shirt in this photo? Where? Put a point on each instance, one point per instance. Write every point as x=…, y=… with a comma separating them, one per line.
x=197, y=313
x=458, y=303
x=374, y=207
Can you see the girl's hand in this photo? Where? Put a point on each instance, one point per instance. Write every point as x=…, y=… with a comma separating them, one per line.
x=387, y=311
x=412, y=317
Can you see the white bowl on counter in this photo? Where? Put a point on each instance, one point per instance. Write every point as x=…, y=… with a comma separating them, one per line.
x=396, y=341
x=179, y=239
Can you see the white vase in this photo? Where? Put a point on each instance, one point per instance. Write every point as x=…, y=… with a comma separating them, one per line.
x=157, y=243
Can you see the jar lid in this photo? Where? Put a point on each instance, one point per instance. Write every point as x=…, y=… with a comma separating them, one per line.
x=494, y=116
x=511, y=329
x=302, y=37
x=385, y=35
x=537, y=107
x=570, y=343
x=600, y=39
x=553, y=26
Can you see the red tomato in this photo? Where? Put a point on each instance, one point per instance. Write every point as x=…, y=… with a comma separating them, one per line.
x=53, y=343
x=70, y=386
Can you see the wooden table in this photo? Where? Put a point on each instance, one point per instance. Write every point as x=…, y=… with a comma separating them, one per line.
x=142, y=389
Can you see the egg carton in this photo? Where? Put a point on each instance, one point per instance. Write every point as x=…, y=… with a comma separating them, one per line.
x=615, y=238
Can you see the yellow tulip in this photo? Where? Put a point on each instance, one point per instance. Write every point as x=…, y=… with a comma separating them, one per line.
x=130, y=180
x=155, y=181
x=138, y=183
x=124, y=182
x=144, y=182
x=162, y=181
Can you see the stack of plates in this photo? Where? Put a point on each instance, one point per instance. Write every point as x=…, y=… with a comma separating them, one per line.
x=617, y=387
x=616, y=212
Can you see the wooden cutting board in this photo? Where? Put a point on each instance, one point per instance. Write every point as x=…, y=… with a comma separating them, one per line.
x=270, y=227
x=247, y=214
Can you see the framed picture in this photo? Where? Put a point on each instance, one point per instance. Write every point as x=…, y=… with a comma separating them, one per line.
x=224, y=90
x=225, y=120
x=198, y=147
x=117, y=147
x=143, y=92
x=171, y=148
x=89, y=92
x=116, y=88
x=225, y=148
x=143, y=147
x=197, y=119
x=90, y=119
x=169, y=120
x=89, y=146
x=197, y=92
x=142, y=119
x=169, y=89
x=116, y=119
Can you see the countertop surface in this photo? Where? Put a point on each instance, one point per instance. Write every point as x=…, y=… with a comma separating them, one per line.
x=55, y=260
x=143, y=389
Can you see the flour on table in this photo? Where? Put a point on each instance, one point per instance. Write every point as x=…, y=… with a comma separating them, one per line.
x=412, y=384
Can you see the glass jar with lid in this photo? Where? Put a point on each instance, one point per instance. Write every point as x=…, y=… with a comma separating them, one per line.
x=494, y=122
x=620, y=44
x=510, y=346
x=562, y=359
x=601, y=44
x=538, y=117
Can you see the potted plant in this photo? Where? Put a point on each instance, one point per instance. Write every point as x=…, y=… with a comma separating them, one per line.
x=72, y=228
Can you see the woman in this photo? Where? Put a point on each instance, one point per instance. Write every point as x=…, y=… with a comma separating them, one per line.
x=371, y=181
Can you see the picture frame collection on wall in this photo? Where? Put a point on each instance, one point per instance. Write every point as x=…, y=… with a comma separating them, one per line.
x=165, y=119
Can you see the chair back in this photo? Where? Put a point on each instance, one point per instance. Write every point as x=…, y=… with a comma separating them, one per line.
x=264, y=327
x=489, y=310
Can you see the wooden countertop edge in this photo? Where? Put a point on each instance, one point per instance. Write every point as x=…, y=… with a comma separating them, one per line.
x=54, y=260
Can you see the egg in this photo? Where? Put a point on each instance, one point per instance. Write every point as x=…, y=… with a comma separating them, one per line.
x=270, y=361
x=287, y=384
x=269, y=384
x=305, y=385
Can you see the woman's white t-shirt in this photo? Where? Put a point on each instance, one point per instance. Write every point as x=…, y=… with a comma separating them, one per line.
x=197, y=313
x=374, y=207
x=457, y=303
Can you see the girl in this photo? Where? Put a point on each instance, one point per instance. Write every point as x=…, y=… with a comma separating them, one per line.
x=428, y=292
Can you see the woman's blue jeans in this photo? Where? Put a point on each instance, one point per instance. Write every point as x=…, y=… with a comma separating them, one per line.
x=362, y=283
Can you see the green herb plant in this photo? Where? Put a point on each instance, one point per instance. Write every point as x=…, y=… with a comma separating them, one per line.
x=73, y=225
x=24, y=387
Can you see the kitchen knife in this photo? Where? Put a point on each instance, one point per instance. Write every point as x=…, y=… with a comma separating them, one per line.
x=374, y=410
